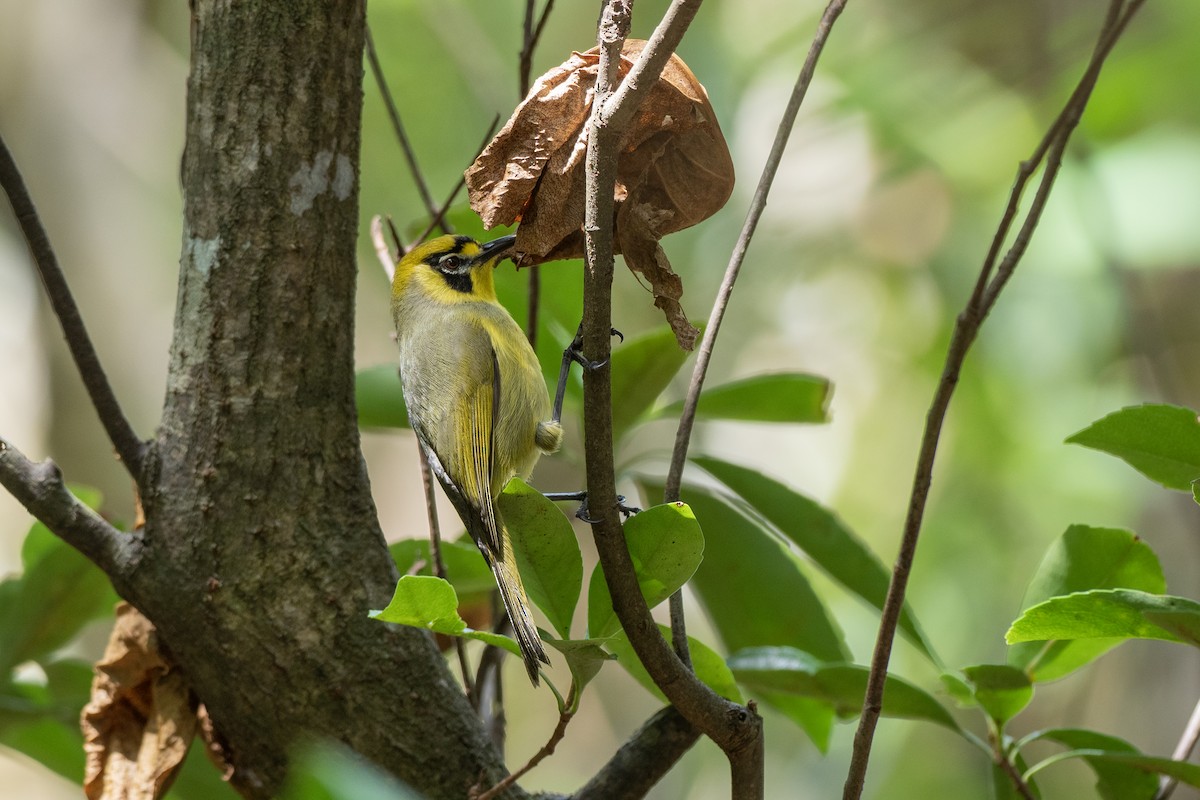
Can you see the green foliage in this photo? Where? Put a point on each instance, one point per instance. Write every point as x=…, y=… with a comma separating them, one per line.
x=819, y=533
x=642, y=368
x=999, y=690
x=784, y=397
x=666, y=546
x=789, y=671
x=1161, y=442
x=1084, y=558
x=547, y=553
x=752, y=587
x=466, y=570
x=584, y=659
x=431, y=603
x=706, y=663
x=1115, y=779
x=1110, y=614
x=57, y=594
x=41, y=611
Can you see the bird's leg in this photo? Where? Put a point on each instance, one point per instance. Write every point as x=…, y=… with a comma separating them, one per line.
x=582, y=499
x=574, y=353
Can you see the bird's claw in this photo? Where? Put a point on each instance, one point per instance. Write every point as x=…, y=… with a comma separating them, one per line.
x=628, y=511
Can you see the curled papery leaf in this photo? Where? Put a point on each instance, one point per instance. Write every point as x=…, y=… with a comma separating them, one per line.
x=141, y=717
x=673, y=171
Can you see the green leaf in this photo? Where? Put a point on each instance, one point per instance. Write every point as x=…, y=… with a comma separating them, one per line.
x=1084, y=558
x=820, y=534
x=584, y=658
x=814, y=717
x=706, y=662
x=547, y=553
x=431, y=603
x=332, y=772
x=58, y=593
x=752, y=586
x=666, y=545
x=1114, y=780
x=466, y=570
x=1183, y=771
x=642, y=368
x=843, y=686
x=785, y=397
x=1110, y=613
x=959, y=689
x=1000, y=690
x=1162, y=442
x=380, y=397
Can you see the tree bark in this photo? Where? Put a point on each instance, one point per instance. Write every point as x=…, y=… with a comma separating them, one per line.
x=261, y=553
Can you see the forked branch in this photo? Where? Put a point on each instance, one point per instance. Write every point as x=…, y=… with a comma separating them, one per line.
x=734, y=728
x=40, y=488
x=993, y=276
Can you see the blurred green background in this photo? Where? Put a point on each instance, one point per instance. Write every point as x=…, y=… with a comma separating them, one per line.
x=880, y=215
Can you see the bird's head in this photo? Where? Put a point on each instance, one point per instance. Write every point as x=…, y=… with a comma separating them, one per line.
x=452, y=268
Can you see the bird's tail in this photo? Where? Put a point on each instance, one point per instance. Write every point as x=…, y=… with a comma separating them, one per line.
x=516, y=603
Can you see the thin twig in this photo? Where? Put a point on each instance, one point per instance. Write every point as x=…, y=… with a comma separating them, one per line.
x=381, y=249
x=398, y=242
x=488, y=698
x=966, y=329
x=1014, y=775
x=547, y=750
x=1183, y=751
x=736, y=729
x=687, y=419
x=439, y=564
x=40, y=488
x=530, y=34
x=129, y=447
x=390, y=104
x=440, y=213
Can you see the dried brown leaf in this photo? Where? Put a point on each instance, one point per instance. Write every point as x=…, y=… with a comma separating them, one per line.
x=673, y=171
x=141, y=718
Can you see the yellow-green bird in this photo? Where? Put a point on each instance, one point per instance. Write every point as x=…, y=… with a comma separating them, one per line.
x=476, y=398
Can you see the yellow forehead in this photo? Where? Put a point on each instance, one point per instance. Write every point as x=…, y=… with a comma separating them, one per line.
x=443, y=245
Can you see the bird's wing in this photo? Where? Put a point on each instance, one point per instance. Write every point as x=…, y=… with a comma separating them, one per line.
x=461, y=450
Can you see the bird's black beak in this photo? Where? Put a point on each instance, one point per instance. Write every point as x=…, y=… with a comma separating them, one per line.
x=495, y=248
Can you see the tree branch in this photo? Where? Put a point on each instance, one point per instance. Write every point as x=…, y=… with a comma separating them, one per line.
x=643, y=760
x=462, y=181
x=129, y=447
x=40, y=488
x=410, y=155
x=983, y=298
x=736, y=729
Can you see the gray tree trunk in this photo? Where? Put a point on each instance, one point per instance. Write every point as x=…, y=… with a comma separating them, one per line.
x=262, y=553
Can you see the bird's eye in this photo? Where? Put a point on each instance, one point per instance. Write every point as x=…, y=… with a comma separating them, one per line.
x=450, y=262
